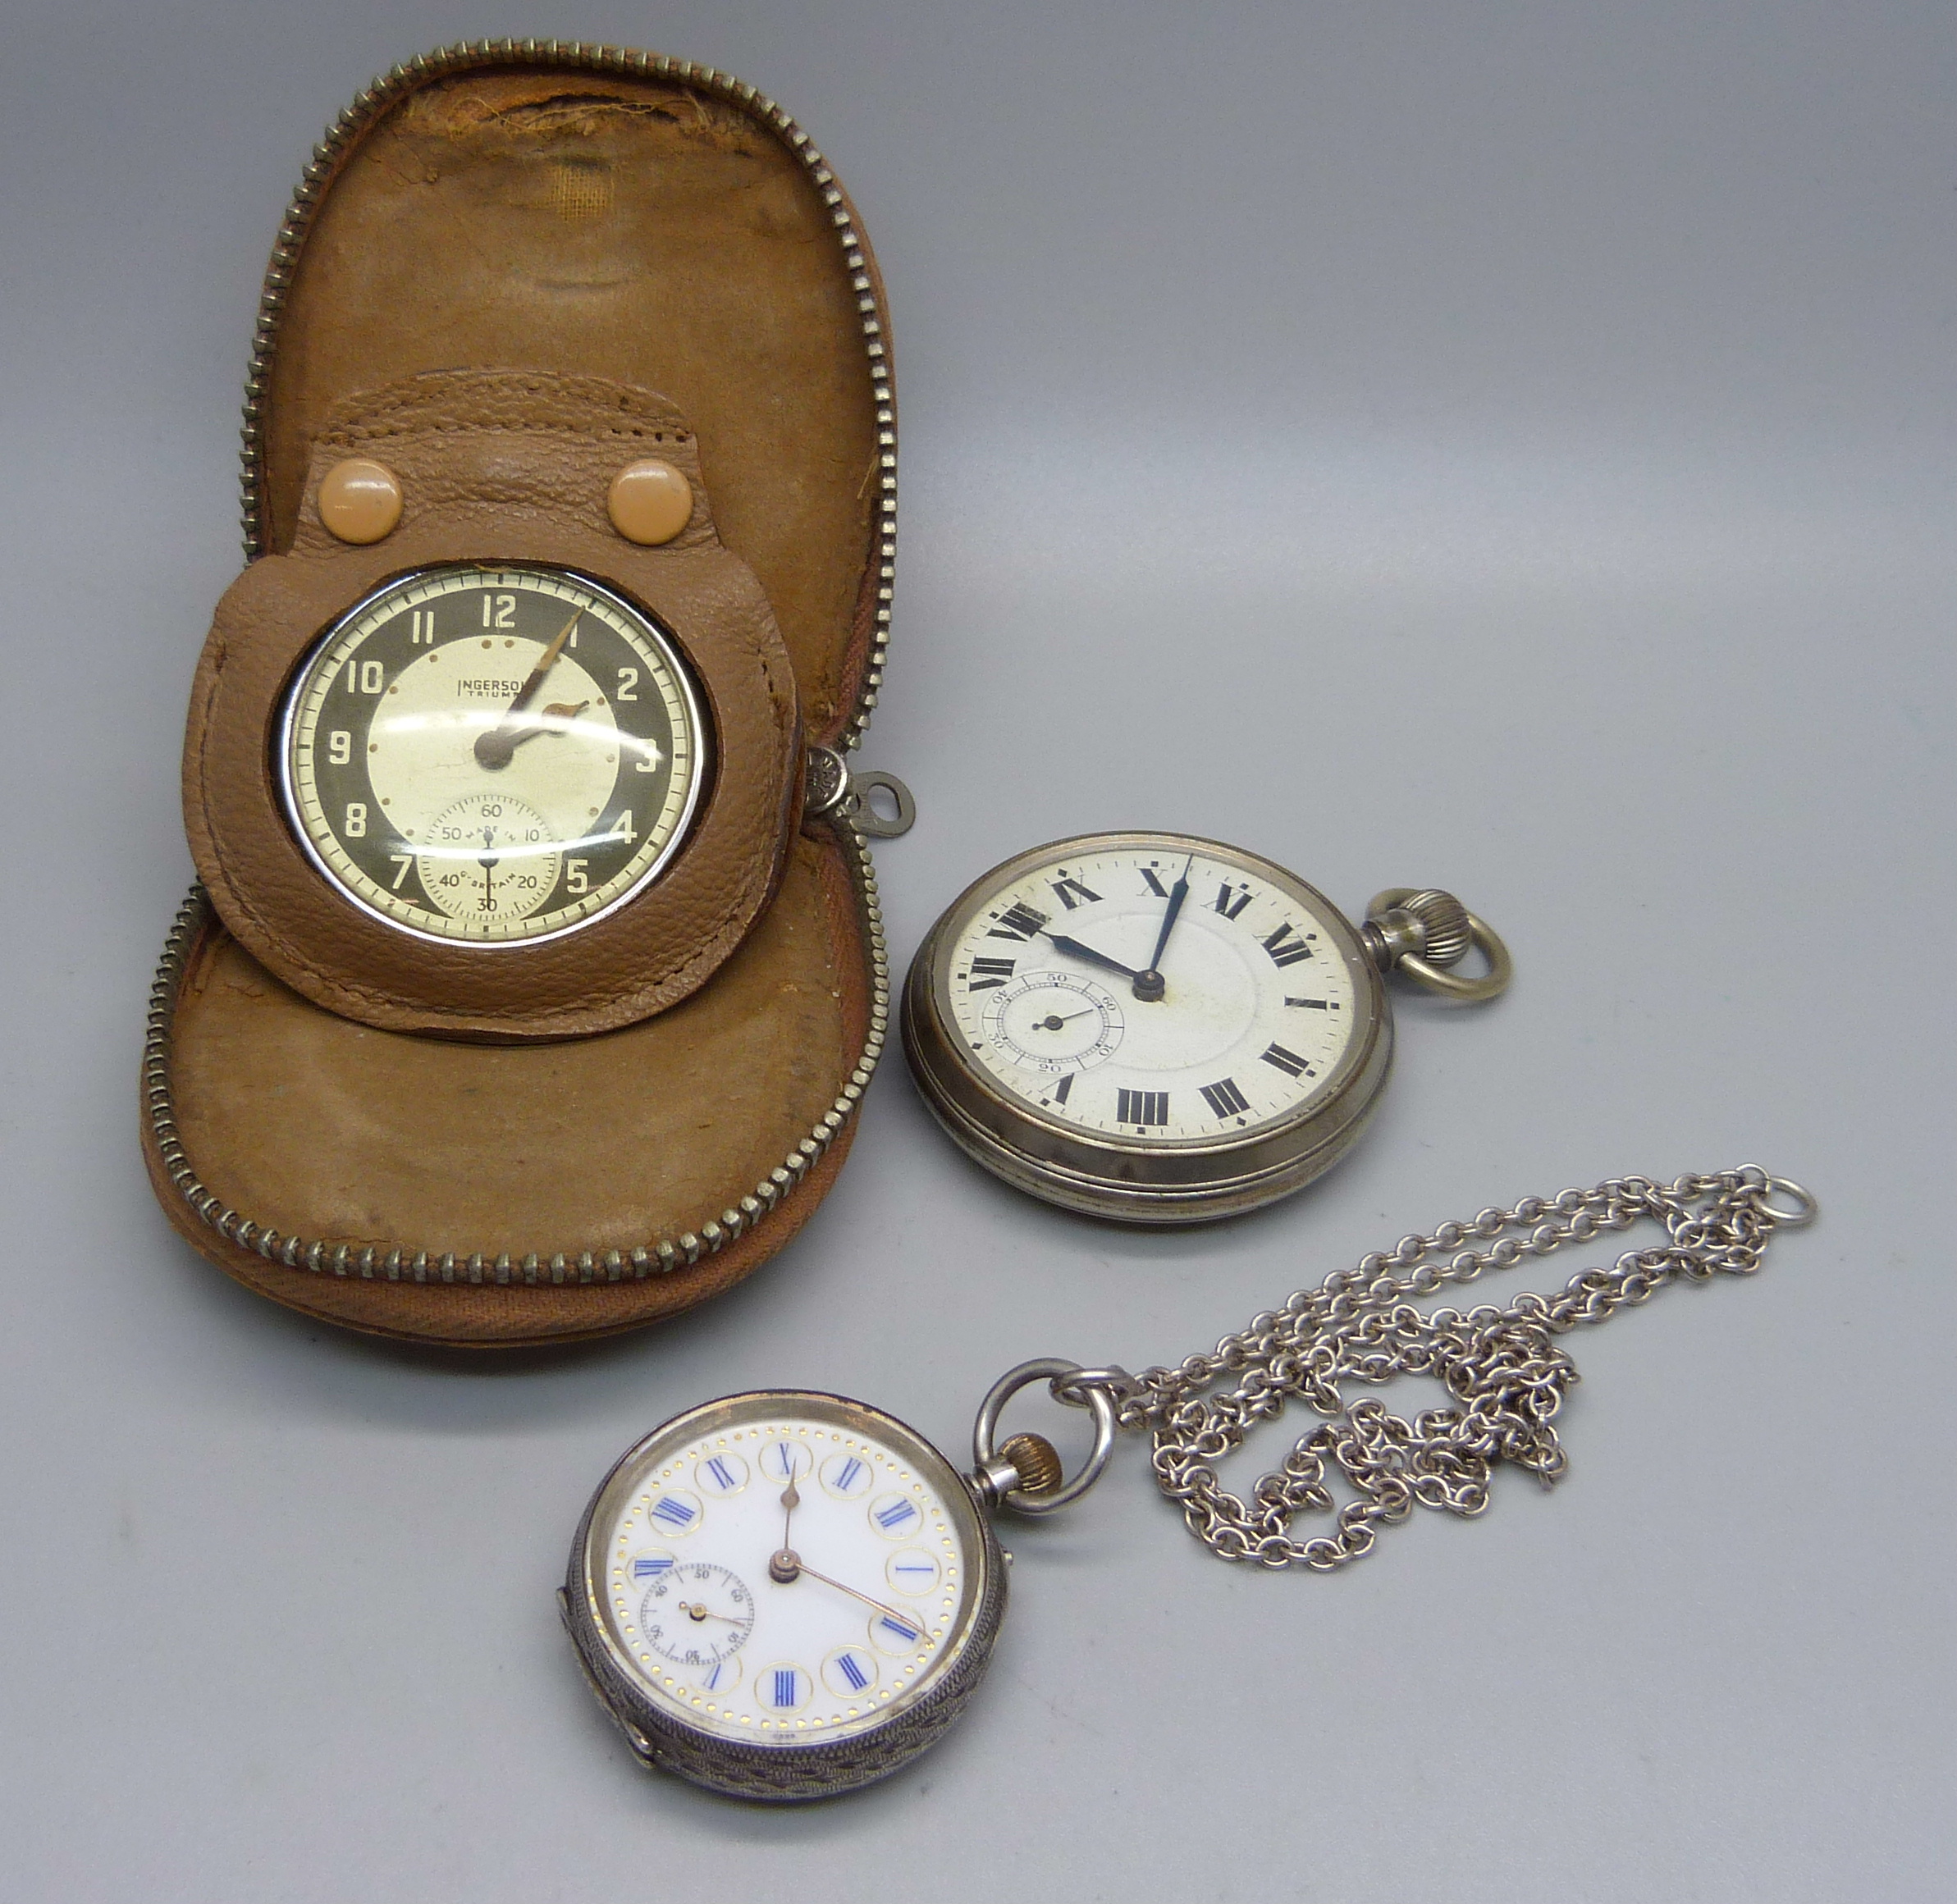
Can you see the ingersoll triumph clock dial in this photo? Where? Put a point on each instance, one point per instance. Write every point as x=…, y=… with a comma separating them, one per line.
x=779, y=1572
x=1164, y=1028
x=491, y=755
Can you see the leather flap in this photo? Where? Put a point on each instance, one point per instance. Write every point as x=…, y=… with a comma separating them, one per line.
x=591, y=212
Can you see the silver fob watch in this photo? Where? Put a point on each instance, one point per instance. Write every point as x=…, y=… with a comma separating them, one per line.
x=1163, y=1029
x=783, y=1595
x=787, y=1595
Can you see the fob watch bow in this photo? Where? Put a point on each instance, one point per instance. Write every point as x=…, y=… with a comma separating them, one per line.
x=1164, y=1028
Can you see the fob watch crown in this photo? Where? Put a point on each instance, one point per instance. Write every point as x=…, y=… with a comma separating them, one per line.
x=1036, y=1461
x=1420, y=934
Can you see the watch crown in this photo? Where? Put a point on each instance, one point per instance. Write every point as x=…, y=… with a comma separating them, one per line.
x=1444, y=919
x=1428, y=925
x=1036, y=1461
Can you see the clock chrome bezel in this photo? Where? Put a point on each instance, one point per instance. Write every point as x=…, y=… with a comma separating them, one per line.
x=1141, y=1180
x=841, y=1758
x=660, y=637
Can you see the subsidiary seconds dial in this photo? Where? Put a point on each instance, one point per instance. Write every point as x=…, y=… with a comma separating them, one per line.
x=495, y=755
x=1163, y=1028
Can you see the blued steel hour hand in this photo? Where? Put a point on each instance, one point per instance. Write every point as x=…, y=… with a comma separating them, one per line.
x=1077, y=950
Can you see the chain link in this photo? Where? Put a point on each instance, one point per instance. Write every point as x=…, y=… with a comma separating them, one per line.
x=1503, y=1371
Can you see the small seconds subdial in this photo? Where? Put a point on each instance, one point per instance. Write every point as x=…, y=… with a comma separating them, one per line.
x=696, y=1613
x=1055, y=1022
x=488, y=855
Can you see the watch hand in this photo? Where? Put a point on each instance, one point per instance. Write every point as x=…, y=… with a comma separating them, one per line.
x=561, y=711
x=1053, y=1020
x=1088, y=953
x=793, y=1566
x=495, y=746
x=790, y=1500
x=696, y=1612
x=1149, y=984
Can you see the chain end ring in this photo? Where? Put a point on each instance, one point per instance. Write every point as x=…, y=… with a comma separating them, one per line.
x=1807, y=1206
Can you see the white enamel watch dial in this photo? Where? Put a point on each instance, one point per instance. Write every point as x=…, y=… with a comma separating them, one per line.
x=784, y=1594
x=1154, y=1027
x=492, y=755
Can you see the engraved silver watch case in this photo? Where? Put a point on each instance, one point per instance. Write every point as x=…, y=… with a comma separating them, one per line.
x=731, y=1692
x=1067, y=1064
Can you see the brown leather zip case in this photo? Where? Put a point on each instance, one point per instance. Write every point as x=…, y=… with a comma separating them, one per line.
x=514, y=271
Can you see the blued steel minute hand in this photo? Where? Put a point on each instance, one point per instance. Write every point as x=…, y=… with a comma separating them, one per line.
x=1149, y=984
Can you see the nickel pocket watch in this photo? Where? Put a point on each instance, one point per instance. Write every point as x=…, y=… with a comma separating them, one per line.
x=1163, y=1029
x=786, y=1595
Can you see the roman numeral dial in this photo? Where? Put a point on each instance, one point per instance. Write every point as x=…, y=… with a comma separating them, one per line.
x=1163, y=1029
x=1049, y=996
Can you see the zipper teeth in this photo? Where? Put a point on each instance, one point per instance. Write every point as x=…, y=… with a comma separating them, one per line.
x=395, y=1262
x=578, y=55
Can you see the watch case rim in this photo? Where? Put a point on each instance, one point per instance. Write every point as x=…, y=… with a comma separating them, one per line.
x=795, y=1771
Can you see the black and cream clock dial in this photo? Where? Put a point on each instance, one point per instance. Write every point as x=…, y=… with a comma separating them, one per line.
x=492, y=755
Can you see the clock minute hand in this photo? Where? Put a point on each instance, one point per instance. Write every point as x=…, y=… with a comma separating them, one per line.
x=1149, y=984
x=1074, y=946
x=495, y=746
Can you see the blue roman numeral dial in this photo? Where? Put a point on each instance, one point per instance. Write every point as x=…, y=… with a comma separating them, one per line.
x=782, y=1568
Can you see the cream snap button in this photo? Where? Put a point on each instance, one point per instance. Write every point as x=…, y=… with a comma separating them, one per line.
x=360, y=499
x=650, y=501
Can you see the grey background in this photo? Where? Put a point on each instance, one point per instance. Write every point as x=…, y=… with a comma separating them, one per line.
x=1504, y=445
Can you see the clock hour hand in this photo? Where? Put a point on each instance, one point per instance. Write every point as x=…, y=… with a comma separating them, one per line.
x=559, y=710
x=495, y=746
x=1075, y=949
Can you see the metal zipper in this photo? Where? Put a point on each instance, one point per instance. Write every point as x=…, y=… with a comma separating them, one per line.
x=576, y=56
x=396, y=1263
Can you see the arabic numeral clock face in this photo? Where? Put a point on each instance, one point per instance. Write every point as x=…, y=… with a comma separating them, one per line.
x=783, y=1595
x=492, y=755
x=1148, y=1025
